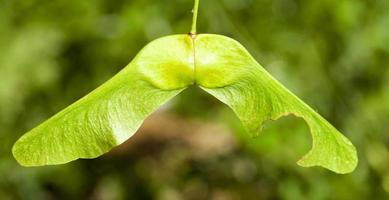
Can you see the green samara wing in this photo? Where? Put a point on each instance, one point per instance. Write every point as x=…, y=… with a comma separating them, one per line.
x=227, y=71
x=113, y=112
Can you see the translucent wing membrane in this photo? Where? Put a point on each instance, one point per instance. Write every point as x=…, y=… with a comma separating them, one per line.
x=113, y=112
x=255, y=96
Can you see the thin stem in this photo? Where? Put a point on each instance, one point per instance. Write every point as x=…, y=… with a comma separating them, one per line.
x=194, y=21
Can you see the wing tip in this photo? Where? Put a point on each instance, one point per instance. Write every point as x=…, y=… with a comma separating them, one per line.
x=338, y=164
x=344, y=163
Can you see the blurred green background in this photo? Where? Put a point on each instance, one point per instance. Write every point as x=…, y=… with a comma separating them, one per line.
x=334, y=54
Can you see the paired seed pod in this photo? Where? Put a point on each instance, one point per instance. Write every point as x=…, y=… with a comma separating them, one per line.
x=221, y=66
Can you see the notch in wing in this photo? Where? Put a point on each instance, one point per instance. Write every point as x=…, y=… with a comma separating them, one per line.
x=227, y=71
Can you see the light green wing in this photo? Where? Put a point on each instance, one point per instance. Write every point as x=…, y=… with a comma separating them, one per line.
x=113, y=112
x=227, y=71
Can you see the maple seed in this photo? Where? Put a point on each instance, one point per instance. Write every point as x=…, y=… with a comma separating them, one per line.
x=113, y=112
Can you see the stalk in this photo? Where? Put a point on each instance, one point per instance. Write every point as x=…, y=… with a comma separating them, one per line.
x=194, y=21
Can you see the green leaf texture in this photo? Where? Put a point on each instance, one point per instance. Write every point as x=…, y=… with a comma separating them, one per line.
x=113, y=112
x=240, y=82
x=219, y=65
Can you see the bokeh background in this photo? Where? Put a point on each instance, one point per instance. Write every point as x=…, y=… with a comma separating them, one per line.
x=334, y=54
